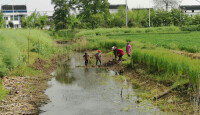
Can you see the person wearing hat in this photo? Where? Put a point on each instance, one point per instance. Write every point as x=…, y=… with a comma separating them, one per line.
x=98, y=57
x=118, y=52
x=114, y=49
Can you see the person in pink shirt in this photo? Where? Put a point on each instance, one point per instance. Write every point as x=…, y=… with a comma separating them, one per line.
x=128, y=49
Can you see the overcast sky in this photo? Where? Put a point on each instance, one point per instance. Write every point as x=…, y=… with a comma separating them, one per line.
x=45, y=5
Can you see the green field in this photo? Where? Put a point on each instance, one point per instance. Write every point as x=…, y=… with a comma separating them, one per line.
x=154, y=49
x=188, y=41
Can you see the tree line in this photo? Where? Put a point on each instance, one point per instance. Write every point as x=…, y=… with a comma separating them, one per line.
x=70, y=14
x=95, y=14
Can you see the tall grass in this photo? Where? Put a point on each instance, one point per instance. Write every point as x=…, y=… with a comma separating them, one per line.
x=14, y=47
x=163, y=61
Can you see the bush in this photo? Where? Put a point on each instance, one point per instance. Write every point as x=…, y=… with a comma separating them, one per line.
x=191, y=28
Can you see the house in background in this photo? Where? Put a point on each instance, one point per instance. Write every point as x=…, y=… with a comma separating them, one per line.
x=114, y=8
x=13, y=14
x=190, y=7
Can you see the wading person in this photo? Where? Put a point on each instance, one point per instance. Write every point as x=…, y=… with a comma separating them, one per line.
x=98, y=57
x=128, y=49
x=118, y=52
x=86, y=57
x=114, y=52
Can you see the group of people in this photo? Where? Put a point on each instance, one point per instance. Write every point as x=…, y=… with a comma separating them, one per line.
x=116, y=51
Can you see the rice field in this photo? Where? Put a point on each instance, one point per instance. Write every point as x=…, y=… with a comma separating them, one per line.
x=188, y=41
x=154, y=49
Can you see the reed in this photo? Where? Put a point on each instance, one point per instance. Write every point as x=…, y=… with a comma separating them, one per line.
x=164, y=61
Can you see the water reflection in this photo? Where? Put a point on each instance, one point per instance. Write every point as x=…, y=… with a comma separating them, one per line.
x=63, y=74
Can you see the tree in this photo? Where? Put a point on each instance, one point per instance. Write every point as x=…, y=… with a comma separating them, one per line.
x=118, y=19
x=74, y=22
x=2, y=22
x=10, y=24
x=91, y=9
x=196, y=20
x=161, y=18
x=166, y=3
x=62, y=14
x=35, y=20
x=41, y=21
x=176, y=17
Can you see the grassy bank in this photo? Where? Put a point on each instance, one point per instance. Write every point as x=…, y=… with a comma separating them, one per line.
x=20, y=48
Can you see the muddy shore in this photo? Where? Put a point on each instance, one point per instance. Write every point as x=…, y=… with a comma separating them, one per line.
x=26, y=94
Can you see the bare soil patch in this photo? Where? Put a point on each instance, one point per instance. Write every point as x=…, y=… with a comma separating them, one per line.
x=191, y=55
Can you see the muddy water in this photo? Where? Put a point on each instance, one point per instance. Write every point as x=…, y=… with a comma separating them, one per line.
x=80, y=91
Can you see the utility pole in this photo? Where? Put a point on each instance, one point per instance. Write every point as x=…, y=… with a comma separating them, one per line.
x=126, y=14
x=180, y=15
x=13, y=16
x=149, y=15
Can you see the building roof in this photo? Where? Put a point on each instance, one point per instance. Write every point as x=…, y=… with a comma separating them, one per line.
x=15, y=7
x=189, y=3
x=116, y=6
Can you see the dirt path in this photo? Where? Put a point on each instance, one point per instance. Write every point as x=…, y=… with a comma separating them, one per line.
x=191, y=55
x=26, y=94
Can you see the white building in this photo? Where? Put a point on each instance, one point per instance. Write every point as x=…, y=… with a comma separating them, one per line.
x=13, y=13
x=190, y=7
x=114, y=8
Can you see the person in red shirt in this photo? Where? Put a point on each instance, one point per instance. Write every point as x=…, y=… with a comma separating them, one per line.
x=118, y=52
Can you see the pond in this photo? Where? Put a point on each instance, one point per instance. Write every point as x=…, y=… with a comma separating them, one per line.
x=76, y=90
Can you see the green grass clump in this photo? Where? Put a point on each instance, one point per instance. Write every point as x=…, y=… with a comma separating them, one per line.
x=163, y=61
x=14, y=47
x=191, y=28
x=63, y=34
x=3, y=91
